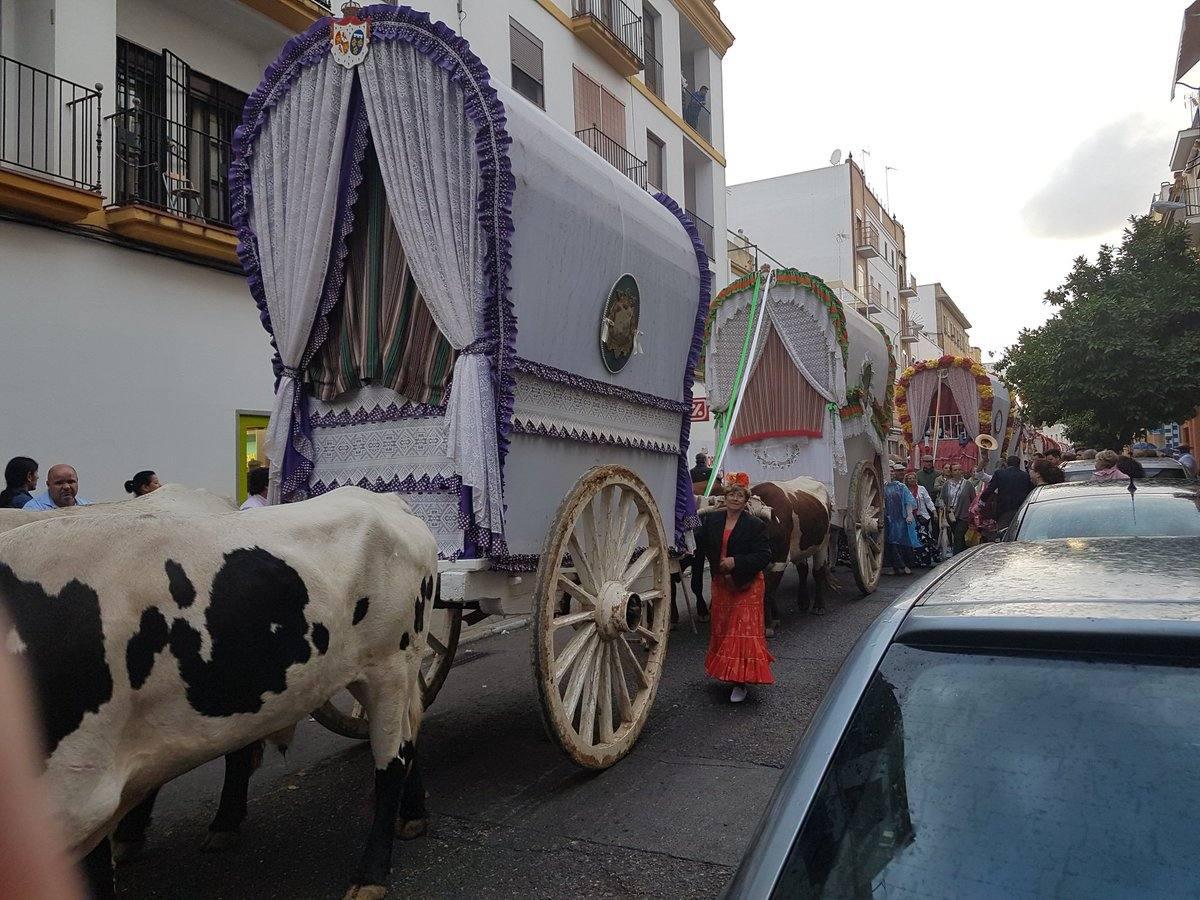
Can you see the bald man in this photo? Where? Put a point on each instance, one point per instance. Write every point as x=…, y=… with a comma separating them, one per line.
x=62, y=490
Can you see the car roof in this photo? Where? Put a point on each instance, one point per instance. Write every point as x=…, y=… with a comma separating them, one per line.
x=1148, y=462
x=1066, y=489
x=1121, y=594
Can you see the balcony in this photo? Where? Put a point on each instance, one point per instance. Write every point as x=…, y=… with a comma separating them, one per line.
x=696, y=111
x=706, y=234
x=49, y=144
x=170, y=185
x=910, y=335
x=909, y=291
x=611, y=29
x=874, y=300
x=867, y=242
x=615, y=155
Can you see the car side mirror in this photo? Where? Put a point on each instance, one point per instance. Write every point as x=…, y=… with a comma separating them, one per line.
x=1000, y=535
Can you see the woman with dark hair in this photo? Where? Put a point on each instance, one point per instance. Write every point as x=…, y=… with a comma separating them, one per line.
x=738, y=552
x=144, y=482
x=20, y=481
x=1045, y=471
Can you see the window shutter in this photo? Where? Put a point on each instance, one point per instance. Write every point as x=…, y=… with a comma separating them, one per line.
x=526, y=51
x=612, y=117
x=587, y=102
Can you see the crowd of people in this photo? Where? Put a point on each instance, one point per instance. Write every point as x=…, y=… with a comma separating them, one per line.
x=932, y=515
x=22, y=477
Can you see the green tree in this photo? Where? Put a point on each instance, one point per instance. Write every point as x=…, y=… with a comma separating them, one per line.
x=1122, y=351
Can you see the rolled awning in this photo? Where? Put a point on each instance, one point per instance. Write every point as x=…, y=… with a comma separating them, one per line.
x=1189, y=44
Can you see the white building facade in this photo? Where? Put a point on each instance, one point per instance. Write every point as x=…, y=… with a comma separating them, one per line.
x=131, y=341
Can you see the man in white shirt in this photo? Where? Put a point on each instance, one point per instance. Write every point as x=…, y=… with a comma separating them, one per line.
x=256, y=486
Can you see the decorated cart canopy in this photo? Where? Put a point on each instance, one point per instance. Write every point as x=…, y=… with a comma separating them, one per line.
x=952, y=401
x=816, y=392
x=458, y=291
x=814, y=378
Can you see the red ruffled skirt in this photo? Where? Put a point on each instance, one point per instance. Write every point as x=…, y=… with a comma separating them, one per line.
x=737, y=647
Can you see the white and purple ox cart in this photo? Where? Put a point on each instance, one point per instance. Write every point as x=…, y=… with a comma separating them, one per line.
x=473, y=309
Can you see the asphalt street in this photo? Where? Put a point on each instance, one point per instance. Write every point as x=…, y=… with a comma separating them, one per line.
x=512, y=816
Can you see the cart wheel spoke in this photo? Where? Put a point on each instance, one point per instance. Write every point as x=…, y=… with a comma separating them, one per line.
x=623, y=702
x=632, y=659
x=647, y=635
x=571, y=651
x=583, y=567
x=576, y=591
x=639, y=566
x=591, y=694
x=573, y=619
x=580, y=676
x=604, y=697
x=435, y=646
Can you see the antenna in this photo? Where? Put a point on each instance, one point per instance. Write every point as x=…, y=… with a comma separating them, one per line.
x=835, y=158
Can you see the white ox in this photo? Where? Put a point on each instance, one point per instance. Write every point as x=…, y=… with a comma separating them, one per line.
x=161, y=640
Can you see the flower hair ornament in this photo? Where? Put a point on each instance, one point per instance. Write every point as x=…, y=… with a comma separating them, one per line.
x=737, y=479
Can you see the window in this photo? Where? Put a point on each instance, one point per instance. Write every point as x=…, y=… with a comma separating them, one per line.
x=653, y=65
x=655, y=175
x=596, y=107
x=527, y=64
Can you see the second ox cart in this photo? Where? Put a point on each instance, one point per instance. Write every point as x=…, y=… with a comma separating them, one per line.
x=474, y=309
x=801, y=387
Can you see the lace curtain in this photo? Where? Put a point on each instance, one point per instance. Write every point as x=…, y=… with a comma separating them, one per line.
x=432, y=182
x=295, y=174
x=921, y=388
x=966, y=397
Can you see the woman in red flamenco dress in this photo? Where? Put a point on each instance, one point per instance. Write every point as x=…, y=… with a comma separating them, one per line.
x=738, y=551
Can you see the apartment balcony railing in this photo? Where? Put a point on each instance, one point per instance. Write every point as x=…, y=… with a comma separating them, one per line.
x=1191, y=196
x=874, y=299
x=908, y=290
x=613, y=30
x=706, y=234
x=654, y=74
x=696, y=111
x=49, y=126
x=866, y=240
x=164, y=164
x=615, y=155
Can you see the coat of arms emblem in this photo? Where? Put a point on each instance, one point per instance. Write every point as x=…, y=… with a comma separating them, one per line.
x=350, y=37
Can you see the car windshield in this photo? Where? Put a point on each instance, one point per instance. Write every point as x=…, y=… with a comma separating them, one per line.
x=1001, y=775
x=1115, y=514
x=1157, y=473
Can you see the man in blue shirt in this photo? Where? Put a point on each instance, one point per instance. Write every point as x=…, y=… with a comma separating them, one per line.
x=62, y=490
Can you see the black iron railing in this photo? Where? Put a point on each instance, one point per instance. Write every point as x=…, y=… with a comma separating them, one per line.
x=696, y=110
x=162, y=163
x=654, y=74
x=866, y=238
x=1191, y=196
x=616, y=155
x=618, y=19
x=49, y=126
x=706, y=234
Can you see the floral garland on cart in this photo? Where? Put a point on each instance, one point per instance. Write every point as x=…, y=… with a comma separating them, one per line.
x=982, y=381
x=880, y=413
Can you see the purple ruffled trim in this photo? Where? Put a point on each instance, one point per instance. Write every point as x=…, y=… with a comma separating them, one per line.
x=560, y=376
x=590, y=437
x=426, y=484
x=685, y=500
x=483, y=107
x=377, y=414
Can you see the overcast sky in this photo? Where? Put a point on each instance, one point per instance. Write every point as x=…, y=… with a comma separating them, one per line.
x=1022, y=134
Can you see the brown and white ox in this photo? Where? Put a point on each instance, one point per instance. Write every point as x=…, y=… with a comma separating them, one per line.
x=798, y=514
x=157, y=642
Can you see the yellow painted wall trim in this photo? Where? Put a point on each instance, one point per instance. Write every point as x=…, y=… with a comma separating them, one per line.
x=153, y=226
x=553, y=8
x=294, y=14
x=717, y=155
x=46, y=198
x=703, y=14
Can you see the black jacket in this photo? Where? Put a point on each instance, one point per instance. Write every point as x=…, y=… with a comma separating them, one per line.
x=1011, y=487
x=748, y=545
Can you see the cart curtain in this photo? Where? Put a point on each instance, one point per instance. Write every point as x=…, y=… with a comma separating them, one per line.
x=921, y=388
x=383, y=333
x=965, y=391
x=432, y=182
x=296, y=173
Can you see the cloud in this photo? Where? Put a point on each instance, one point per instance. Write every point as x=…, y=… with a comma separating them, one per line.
x=1107, y=178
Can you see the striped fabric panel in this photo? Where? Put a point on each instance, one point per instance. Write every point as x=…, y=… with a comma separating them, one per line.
x=382, y=331
x=778, y=401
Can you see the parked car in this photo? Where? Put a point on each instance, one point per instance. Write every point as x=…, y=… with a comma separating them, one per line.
x=1158, y=468
x=1021, y=723
x=1107, y=509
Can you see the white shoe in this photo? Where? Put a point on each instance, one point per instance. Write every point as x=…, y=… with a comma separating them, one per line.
x=738, y=694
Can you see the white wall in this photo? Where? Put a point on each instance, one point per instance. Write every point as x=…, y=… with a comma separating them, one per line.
x=796, y=219
x=117, y=360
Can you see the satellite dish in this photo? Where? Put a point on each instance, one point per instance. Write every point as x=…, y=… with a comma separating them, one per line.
x=835, y=157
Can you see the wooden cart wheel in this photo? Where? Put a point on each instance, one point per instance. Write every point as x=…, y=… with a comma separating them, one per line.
x=601, y=616
x=864, y=526
x=344, y=715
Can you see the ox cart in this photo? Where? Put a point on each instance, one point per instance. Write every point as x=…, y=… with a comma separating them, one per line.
x=472, y=308
x=954, y=402
x=801, y=387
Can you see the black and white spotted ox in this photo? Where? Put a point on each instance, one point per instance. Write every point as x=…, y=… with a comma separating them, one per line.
x=160, y=641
